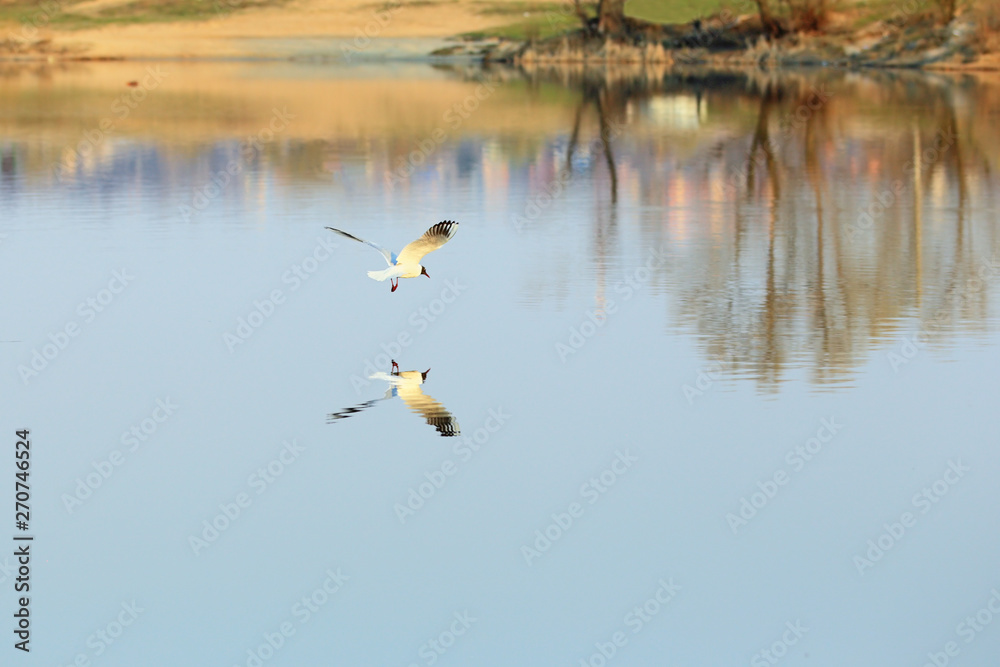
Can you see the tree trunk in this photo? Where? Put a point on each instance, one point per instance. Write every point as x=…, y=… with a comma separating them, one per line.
x=605, y=125
x=947, y=10
x=611, y=17
x=767, y=19
x=582, y=15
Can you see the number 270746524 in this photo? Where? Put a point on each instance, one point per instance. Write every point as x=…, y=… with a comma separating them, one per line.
x=22, y=490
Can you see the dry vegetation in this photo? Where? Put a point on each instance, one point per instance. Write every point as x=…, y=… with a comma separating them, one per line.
x=814, y=31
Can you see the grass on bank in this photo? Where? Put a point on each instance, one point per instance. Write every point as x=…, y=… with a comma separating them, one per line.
x=540, y=20
x=553, y=18
x=528, y=20
x=76, y=15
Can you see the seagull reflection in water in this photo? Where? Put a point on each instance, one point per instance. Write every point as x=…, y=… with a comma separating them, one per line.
x=406, y=385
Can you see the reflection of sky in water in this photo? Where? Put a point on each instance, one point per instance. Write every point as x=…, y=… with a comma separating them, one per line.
x=764, y=318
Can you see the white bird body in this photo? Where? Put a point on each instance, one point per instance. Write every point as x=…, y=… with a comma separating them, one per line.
x=396, y=271
x=408, y=379
x=407, y=263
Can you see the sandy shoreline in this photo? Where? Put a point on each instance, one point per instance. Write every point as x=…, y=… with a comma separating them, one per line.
x=324, y=31
x=301, y=29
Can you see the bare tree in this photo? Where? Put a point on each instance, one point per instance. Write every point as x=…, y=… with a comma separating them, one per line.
x=948, y=8
x=610, y=16
x=607, y=102
x=767, y=18
x=582, y=15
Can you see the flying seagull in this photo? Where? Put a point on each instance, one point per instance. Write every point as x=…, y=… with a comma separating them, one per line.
x=407, y=263
x=406, y=385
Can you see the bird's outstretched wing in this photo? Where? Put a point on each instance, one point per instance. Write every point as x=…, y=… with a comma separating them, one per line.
x=347, y=412
x=431, y=410
x=433, y=238
x=390, y=257
x=407, y=386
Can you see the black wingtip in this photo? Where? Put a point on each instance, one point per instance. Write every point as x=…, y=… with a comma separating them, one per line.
x=443, y=227
x=350, y=236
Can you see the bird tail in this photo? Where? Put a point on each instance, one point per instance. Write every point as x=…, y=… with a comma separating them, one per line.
x=385, y=274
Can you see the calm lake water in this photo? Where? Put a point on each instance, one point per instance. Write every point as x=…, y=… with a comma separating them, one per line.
x=715, y=356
